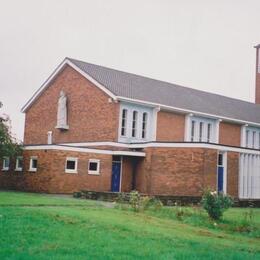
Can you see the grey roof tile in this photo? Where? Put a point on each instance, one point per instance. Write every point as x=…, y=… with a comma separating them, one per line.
x=146, y=89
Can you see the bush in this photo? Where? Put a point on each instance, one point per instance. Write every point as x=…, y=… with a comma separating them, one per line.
x=216, y=203
x=138, y=202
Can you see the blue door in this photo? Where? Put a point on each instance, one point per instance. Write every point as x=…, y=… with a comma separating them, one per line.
x=115, y=183
x=220, y=178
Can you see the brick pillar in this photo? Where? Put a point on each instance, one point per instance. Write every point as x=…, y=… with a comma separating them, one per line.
x=257, y=77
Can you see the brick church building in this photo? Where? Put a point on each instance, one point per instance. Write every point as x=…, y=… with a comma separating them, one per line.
x=90, y=127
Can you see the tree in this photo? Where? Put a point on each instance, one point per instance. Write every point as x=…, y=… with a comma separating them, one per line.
x=9, y=146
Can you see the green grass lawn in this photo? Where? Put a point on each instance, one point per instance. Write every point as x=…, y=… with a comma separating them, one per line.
x=52, y=227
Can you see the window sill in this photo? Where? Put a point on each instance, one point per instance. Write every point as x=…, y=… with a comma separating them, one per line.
x=93, y=173
x=32, y=170
x=5, y=169
x=18, y=169
x=71, y=171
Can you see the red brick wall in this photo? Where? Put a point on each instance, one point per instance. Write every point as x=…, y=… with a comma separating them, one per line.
x=229, y=134
x=232, y=173
x=127, y=173
x=170, y=126
x=51, y=177
x=90, y=116
x=177, y=171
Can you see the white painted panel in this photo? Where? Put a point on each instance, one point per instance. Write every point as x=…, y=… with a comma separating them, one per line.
x=249, y=176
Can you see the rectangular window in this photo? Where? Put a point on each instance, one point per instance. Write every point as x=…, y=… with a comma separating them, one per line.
x=33, y=164
x=220, y=159
x=193, y=130
x=247, y=138
x=6, y=164
x=209, y=133
x=94, y=167
x=19, y=164
x=134, y=123
x=124, y=122
x=71, y=165
x=253, y=139
x=201, y=132
x=144, y=125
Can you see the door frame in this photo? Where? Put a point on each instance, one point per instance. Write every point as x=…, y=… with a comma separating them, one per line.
x=121, y=168
x=224, y=165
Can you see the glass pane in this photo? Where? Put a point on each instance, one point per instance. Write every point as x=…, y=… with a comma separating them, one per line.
x=34, y=163
x=71, y=165
x=93, y=166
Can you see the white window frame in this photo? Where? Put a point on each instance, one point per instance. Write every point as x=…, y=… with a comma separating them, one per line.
x=49, y=137
x=144, y=125
x=124, y=119
x=6, y=168
x=250, y=137
x=196, y=129
x=97, y=172
x=17, y=168
x=32, y=169
x=76, y=165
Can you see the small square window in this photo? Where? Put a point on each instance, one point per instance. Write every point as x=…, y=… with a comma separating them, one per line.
x=6, y=164
x=33, y=164
x=19, y=164
x=93, y=166
x=71, y=165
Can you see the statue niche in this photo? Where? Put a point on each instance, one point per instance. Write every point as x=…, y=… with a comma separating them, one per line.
x=62, y=112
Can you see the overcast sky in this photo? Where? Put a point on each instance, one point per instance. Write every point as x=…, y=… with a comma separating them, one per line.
x=204, y=44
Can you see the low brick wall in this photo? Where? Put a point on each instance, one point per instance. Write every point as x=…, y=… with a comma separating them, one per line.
x=165, y=199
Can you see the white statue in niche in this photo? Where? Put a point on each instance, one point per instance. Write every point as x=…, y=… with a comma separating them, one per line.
x=62, y=112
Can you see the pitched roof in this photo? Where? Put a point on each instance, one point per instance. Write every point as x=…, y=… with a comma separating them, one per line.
x=137, y=87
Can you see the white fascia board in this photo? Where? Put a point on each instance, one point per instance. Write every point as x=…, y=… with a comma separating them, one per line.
x=196, y=145
x=83, y=150
x=55, y=73
x=187, y=111
x=168, y=145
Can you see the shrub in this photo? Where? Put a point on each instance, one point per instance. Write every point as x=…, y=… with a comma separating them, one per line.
x=135, y=200
x=138, y=202
x=216, y=203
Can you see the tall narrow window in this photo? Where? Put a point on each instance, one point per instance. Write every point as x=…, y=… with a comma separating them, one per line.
x=201, y=132
x=247, y=138
x=144, y=126
x=134, y=123
x=253, y=139
x=193, y=130
x=209, y=133
x=6, y=164
x=124, y=122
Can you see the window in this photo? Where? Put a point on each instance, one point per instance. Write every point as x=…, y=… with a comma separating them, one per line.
x=19, y=164
x=124, y=122
x=33, y=164
x=193, y=130
x=220, y=159
x=144, y=125
x=201, y=132
x=247, y=138
x=49, y=137
x=134, y=123
x=209, y=133
x=93, y=166
x=71, y=165
x=6, y=164
x=253, y=139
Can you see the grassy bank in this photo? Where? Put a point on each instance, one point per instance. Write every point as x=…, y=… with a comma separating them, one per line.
x=51, y=227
